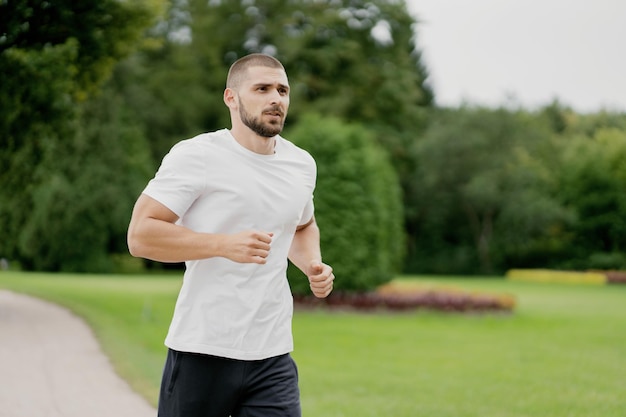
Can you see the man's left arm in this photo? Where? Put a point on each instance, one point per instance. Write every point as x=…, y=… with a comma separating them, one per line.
x=305, y=253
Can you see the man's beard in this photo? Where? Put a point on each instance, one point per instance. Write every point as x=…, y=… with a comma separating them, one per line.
x=266, y=130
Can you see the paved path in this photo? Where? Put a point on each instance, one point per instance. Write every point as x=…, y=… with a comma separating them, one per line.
x=52, y=366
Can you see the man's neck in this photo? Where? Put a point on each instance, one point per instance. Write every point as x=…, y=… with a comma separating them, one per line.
x=253, y=142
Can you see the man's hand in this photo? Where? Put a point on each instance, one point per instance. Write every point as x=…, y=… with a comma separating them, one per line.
x=250, y=246
x=321, y=278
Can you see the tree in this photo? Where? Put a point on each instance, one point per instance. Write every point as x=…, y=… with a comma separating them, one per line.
x=592, y=181
x=483, y=189
x=358, y=204
x=81, y=207
x=53, y=56
x=356, y=60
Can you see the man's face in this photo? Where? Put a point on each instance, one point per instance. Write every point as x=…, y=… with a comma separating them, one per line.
x=264, y=100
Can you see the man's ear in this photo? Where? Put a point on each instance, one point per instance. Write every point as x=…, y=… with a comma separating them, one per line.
x=230, y=99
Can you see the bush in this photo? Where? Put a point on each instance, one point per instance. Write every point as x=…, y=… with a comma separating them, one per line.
x=82, y=204
x=358, y=204
x=550, y=276
x=592, y=276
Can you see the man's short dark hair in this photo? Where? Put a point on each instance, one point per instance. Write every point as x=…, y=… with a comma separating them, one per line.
x=239, y=67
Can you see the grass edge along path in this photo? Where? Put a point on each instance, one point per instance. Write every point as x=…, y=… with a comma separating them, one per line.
x=559, y=354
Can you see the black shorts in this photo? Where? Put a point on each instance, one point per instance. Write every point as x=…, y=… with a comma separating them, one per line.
x=196, y=385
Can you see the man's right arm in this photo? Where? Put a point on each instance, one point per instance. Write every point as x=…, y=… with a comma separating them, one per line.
x=154, y=234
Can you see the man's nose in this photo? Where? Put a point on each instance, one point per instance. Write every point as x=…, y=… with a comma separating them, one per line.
x=275, y=97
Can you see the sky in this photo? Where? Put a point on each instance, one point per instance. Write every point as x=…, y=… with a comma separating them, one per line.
x=524, y=53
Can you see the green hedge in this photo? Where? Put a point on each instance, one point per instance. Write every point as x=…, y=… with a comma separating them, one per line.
x=358, y=204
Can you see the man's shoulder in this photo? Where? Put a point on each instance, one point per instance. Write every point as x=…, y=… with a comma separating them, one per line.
x=207, y=138
x=199, y=143
x=295, y=150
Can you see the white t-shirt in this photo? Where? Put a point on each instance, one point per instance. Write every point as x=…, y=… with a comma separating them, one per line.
x=215, y=185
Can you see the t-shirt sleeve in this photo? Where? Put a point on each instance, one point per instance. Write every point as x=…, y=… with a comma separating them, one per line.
x=307, y=213
x=309, y=209
x=180, y=178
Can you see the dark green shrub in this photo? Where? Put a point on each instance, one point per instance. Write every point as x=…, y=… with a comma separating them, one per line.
x=358, y=204
x=82, y=204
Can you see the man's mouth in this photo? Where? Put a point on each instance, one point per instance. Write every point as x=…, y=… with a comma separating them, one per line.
x=274, y=112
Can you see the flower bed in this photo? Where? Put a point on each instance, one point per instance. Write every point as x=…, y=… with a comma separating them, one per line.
x=394, y=297
x=614, y=277
x=592, y=277
x=550, y=276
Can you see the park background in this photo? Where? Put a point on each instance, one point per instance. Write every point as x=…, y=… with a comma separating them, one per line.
x=94, y=94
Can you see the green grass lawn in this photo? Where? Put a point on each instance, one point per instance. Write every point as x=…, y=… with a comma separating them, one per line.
x=561, y=353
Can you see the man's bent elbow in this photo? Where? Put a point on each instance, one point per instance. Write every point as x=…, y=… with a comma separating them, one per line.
x=135, y=248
